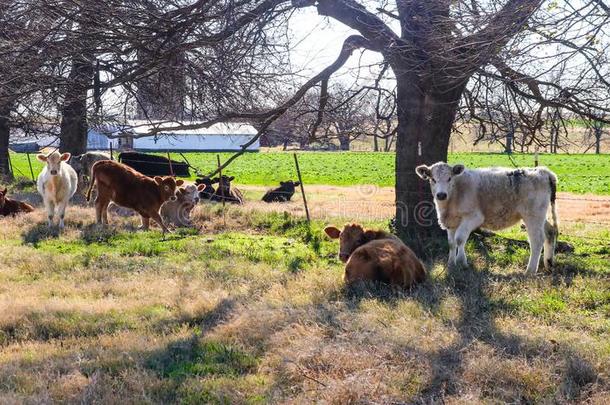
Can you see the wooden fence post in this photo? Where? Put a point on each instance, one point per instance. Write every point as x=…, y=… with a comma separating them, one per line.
x=30, y=164
x=171, y=169
x=296, y=162
x=220, y=184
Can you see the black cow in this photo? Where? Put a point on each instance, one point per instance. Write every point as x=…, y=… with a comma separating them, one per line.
x=208, y=192
x=224, y=192
x=153, y=165
x=281, y=194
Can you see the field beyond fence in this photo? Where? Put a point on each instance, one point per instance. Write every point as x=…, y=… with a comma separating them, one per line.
x=577, y=173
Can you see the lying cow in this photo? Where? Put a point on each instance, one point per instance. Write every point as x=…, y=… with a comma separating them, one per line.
x=10, y=207
x=494, y=198
x=128, y=188
x=82, y=165
x=208, y=190
x=283, y=193
x=224, y=192
x=56, y=184
x=178, y=212
x=376, y=256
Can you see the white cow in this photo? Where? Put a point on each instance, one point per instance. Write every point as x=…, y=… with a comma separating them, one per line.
x=494, y=198
x=56, y=184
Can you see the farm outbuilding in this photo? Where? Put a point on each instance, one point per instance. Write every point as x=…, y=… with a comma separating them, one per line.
x=218, y=137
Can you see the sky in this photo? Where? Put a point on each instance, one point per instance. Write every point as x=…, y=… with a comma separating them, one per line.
x=317, y=42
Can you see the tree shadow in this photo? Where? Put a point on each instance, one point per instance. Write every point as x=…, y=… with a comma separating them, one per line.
x=477, y=323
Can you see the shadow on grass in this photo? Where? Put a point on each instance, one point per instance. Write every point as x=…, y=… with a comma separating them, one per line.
x=478, y=324
x=39, y=233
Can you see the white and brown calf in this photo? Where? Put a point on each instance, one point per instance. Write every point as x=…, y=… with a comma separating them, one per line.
x=494, y=199
x=56, y=184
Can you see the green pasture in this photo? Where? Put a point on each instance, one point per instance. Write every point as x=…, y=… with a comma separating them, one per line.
x=577, y=173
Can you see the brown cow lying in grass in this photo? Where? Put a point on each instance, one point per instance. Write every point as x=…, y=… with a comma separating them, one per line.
x=12, y=207
x=376, y=256
x=128, y=188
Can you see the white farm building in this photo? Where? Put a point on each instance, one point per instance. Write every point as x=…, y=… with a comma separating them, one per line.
x=218, y=137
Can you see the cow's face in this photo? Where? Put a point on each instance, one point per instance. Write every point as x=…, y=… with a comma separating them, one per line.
x=3, y=197
x=205, y=184
x=189, y=195
x=289, y=185
x=350, y=238
x=53, y=161
x=440, y=176
x=224, y=184
x=167, y=187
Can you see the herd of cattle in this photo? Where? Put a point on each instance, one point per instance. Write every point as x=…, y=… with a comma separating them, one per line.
x=465, y=199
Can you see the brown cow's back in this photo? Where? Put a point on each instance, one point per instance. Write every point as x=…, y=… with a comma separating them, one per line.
x=127, y=187
x=387, y=260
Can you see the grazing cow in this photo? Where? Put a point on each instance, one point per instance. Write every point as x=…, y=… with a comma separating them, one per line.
x=128, y=188
x=224, y=192
x=376, y=256
x=12, y=207
x=82, y=164
x=153, y=165
x=208, y=190
x=178, y=212
x=56, y=184
x=494, y=198
x=283, y=193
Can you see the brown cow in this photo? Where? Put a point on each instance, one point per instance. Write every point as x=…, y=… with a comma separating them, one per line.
x=376, y=256
x=128, y=188
x=12, y=207
x=353, y=236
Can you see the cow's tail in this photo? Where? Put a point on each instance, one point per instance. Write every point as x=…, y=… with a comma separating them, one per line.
x=92, y=183
x=553, y=197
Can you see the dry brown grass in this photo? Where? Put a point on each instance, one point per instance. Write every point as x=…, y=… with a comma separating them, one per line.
x=218, y=318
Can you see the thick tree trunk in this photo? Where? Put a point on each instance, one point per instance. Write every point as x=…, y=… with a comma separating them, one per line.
x=598, y=140
x=5, y=131
x=425, y=120
x=344, y=142
x=74, y=127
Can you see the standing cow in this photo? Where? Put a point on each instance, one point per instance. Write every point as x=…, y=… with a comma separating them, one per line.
x=283, y=193
x=494, y=198
x=82, y=164
x=56, y=184
x=128, y=188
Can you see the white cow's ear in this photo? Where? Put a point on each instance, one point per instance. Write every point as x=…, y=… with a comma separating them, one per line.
x=423, y=171
x=65, y=156
x=457, y=170
x=41, y=157
x=332, y=232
